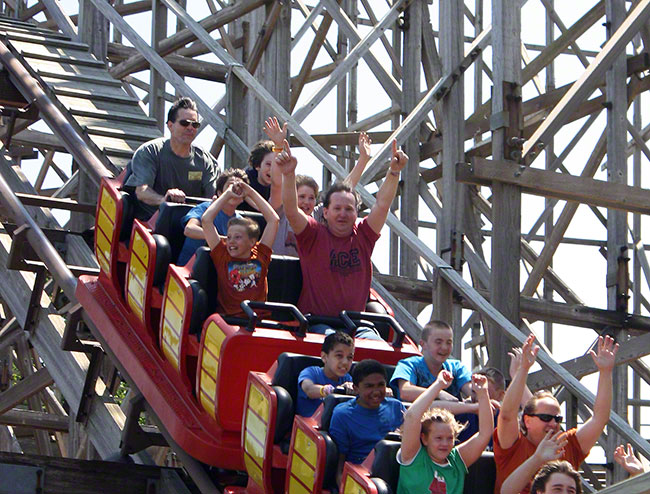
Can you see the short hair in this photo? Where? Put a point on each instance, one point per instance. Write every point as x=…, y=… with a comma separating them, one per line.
x=556, y=466
x=259, y=150
x=308, y=181
x=531, y=405
x=494, y=375
x=336, y=338
x=181, y=103
x=365, y=368
x=442, y=416
x=430, y=326
x=251, y=226
x=227, y=174
x=341, y=187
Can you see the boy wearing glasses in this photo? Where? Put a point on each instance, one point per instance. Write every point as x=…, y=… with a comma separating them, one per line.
x=170, y=169
x=514, y=442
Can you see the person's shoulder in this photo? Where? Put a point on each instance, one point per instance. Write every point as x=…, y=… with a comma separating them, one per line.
x=200, y=151
x=263, y=250
x=411, y=361
x=311, y=371
x=154, y=145
x=394, y=403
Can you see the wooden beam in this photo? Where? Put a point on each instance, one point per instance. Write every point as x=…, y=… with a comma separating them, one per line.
x=558, y=185
x=35, y=420
x=24, y=389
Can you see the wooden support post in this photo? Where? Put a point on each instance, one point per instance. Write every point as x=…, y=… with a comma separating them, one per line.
x=409, y=199
x=93, y=29
x=342, y=86
x=506, y=199
x=617, y=228
x=157, y=81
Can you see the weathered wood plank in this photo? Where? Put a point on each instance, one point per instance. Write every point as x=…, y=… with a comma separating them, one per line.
x=35, y=420
x=24, y=389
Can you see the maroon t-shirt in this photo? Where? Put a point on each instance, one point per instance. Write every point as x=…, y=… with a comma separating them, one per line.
x=336, y=271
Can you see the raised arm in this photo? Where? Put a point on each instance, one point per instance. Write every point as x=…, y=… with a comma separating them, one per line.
x=287, y=165
x=387, y=191
x=277, y=134
x=471, y=450
x=605, y=360
x=412, y=426
x=507, y=423
x=550, y=448
x=207, y=220
x=515, y=362
x=271, y=217
x=364, y=156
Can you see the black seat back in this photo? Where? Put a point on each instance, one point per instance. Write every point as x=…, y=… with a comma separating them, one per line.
x=385, y=465
x=163, y=259
x=168, y=223
x=205, y=273
x=481, y=475
x=199, y=308
x=329, y=404
x=128, y=214
x=284, y=279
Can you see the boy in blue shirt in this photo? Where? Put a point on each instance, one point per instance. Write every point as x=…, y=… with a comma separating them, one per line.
x=194, y=236
x=357, y=425
x=315, y=382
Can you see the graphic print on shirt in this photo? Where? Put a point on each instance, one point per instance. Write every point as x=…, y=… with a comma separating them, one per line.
x=244, y=275
x=345, y=262
x=438, y=484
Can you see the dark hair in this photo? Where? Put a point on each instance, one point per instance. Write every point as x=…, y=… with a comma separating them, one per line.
x=333, y=339
x=308, y=181
x=230, y=172
x=259, y=150
x=430, y=326
x=556, y=466
x=341, y=187
x=185, y=102
x=366, y=367
x=252, y=228
x=531, y=406
x=494, y=375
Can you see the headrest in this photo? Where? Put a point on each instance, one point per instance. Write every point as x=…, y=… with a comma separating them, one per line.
x=128, y=213
x=385, y=464
x=199, y=307
x=163, y=258
x=290, y=365
x=205, y=273
x=284, y=279
x=481, y=475
x=329, y=404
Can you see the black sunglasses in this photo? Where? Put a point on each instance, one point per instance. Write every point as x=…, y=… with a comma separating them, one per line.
x=193, y=123
x=546, y=417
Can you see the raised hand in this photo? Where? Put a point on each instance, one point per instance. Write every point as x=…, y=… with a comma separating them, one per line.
x=479, y=383
x=445, y=378
x=627, y=460
x=551, y=447
x=398, y=159
x=285, y=160
x=237, y=189
x=364, y=145
x=606, y=356
x=274, y=132
x=528, y=353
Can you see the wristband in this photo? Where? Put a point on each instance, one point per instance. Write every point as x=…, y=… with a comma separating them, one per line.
x=394, y=173
x=322, y=391
x=276, y=149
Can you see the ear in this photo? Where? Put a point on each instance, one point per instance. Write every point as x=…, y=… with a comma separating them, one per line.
x=323, y=356
x=169, y=124
x=424, y=438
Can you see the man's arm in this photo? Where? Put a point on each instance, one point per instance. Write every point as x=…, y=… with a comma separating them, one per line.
x=386, y=193
x=515, y=362
x=287, y=165
x=364, y=156
x=605, y=359
x=507, y=423
x=271, y=217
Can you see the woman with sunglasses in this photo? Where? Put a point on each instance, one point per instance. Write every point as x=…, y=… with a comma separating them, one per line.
x=515, y=441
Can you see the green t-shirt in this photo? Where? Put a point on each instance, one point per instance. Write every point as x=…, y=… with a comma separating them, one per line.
x=424, y=476
x=156, y=165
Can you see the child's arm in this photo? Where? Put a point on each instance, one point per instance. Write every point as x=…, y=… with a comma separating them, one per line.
x=364, y=156
x=412, y=426
x=508, y=421
x=207, y=220
x=316, y=391
x=271, y=217
x=277, y=134
x=193, y=229
x=471, y=450
x=287, y=165
x=630, y=463
x=550, y=448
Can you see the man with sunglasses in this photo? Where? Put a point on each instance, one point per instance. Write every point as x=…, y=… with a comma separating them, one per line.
x=514, y=442
x=167, y=170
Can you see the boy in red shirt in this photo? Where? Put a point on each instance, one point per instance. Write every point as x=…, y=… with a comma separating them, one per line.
x=241, y=260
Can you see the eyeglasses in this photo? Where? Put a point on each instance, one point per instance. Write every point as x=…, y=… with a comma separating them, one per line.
x=546, y=417
x=193, y=123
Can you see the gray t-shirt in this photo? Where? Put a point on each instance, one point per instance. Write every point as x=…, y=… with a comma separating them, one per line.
x=285, y=240
x=156, y=165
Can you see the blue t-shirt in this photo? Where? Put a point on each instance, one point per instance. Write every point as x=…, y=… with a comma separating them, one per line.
x=356, y=429
x=415, y=371
x=305, y=406
x=191, y=244
x=471, y=419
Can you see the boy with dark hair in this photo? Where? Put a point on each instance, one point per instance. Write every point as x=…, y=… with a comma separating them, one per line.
x=260, y=159
x=315, y=382
x=194, y=236
x=241, y=261
x=357, y=425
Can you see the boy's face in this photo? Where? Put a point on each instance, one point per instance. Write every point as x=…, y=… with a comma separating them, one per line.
x=371, y=391
x=439, y=344
x=439, y=441
x=338, y=361
x=306, y=199
x=559, y=483
x=238, y=243
x=264, y=171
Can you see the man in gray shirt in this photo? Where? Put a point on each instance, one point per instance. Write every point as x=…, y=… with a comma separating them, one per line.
x=168, y=170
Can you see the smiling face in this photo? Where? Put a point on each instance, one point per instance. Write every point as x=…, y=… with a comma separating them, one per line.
x=341, y=214
x=439, y=441
x=338, y=361
x=306, y=199
x=183, y=136
x=264, y=171
x=238, y=243
x=536, y=428
x=559, y=483
x=438, y=345
x=371, y=391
